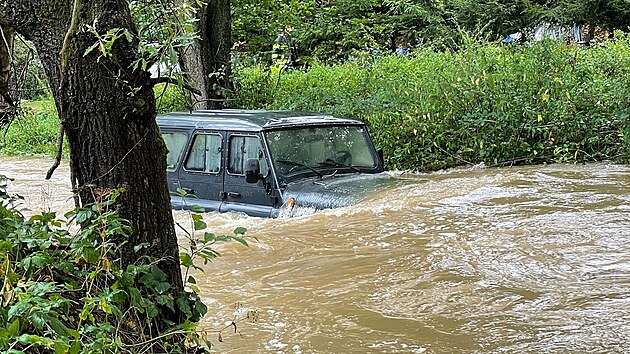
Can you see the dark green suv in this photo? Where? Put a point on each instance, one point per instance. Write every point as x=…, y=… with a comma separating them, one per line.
x=268, y=163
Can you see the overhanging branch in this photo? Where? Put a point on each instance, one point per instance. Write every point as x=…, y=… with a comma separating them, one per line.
x=52, y=168
x=170, y=80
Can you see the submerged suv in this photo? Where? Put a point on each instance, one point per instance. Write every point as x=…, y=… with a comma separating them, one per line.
x=268, y=163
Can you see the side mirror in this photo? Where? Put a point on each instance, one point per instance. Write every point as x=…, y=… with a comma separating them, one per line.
x=252, y=171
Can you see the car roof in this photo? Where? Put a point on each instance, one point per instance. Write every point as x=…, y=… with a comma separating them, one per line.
x=248, y=120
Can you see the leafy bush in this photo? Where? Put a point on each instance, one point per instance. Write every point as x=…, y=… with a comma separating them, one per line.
x=500, y=105
x=34, y=132
x=65, y=291
x=171, y=98
x=28, y=74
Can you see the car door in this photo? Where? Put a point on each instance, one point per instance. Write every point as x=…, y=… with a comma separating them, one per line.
x=201, y=174
x=256, y=199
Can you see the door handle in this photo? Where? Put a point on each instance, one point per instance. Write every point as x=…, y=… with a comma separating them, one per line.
x=234, y=195
x=188, y=190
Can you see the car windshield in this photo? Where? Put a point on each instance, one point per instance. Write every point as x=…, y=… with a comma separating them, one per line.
x=314, y=148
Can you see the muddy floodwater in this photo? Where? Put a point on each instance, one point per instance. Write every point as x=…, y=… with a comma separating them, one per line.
x=525, y=259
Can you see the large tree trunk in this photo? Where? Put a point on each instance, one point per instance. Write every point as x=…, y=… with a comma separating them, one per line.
x=7, y=111
x=6, y=51
x=112, y=134
x=207, y=60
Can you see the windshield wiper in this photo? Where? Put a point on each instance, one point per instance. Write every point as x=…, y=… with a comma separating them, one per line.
x=299, y=164
x=333, y=163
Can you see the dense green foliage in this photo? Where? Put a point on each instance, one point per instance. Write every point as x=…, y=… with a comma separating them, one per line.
x=338, y=29
x=28, y=74
x=64, y=290
x=499, y=105
x=33, y=132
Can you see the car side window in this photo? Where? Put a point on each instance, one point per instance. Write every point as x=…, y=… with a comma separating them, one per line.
x=205, y=154
x=243, y=148
x=175, y=143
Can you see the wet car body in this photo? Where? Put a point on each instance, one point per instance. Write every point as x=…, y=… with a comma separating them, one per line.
x=268, y=163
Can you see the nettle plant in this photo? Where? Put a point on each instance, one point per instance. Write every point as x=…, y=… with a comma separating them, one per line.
x=64, y=289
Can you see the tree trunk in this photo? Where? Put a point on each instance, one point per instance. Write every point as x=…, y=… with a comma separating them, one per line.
x=108, y=113
x=207, y=60
x=6, y=51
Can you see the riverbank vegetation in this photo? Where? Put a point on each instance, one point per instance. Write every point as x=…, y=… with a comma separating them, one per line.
x=65, y=289
x=497, y=104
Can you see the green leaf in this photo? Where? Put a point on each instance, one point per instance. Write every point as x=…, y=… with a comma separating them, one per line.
x=136, y=297
x=14, y=328
x=241, y=240
x=201, y=308
x=180, y=192
x=200, y=225
x=189, y=326
x=27, y=339
x=61, y=347
x=156, y=280
x=73, y=333
x=208, y=237
x=183, y=305
x=57, y=326
x=91, y=255
x=185, y=259
x=138, y=247
x=75, y=348
x=165, y=300
x=240, y=231
x=128, y=36
x=37, y=319
x=197, y=209
x=91, y=48
x=158, y=274
x=152, y=310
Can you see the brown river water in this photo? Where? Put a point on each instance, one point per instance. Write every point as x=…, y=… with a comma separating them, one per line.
x=525, y=259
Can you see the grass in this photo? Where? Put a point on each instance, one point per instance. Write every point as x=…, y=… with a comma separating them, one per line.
x=34, y=132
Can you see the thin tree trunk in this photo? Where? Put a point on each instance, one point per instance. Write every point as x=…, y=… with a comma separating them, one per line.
x=108, y=111
x=207, y=60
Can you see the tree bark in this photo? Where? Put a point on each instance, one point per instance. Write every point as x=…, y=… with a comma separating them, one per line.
x=207, y=60
x=7, y=109
x=108, y=112
x=6, y=51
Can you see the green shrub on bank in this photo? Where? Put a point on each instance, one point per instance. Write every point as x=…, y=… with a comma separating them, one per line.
x=500, y=105
x=171, y=98
x=34, y=132
x=65, y=290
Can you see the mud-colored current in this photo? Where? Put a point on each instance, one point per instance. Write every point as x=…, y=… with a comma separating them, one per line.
x=528, y=259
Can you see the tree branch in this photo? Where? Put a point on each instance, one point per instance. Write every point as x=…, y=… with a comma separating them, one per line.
x=170, y=80
x=74, y=25
x=52, y=168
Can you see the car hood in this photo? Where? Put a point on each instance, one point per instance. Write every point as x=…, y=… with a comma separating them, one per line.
x=333, y=191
